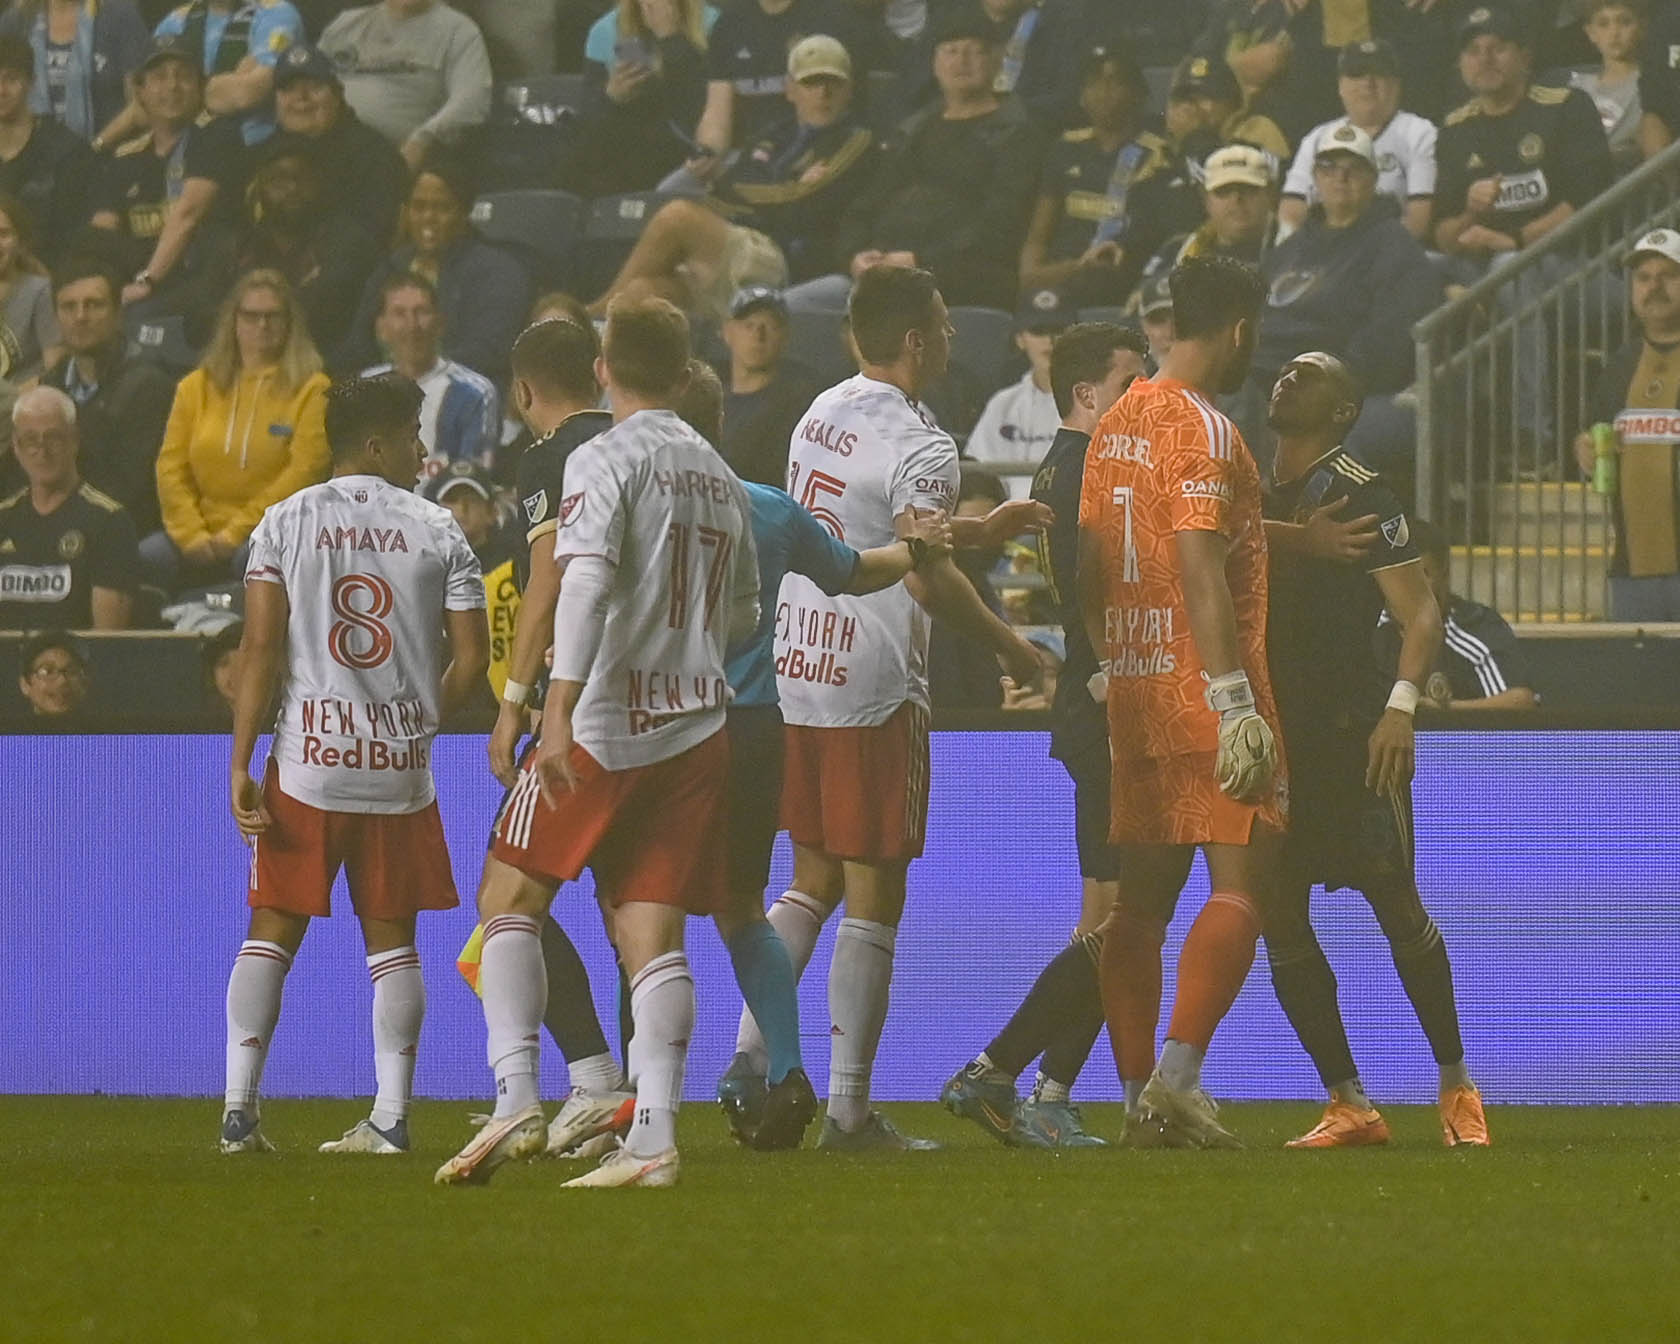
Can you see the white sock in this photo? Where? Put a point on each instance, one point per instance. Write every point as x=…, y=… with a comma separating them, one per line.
x=598, y=1073
x=799, y=919
x=399, y=1005
x=253, y=1007
x=662, y=1002
x=515, y=994
x=859, y=982
x=1048, y=1089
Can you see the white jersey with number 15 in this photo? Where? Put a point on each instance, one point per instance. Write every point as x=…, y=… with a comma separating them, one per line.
x=368, y=569
x=862, y=455
x=655, y=500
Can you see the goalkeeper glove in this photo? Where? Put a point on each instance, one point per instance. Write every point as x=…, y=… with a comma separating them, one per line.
x=1247, y=751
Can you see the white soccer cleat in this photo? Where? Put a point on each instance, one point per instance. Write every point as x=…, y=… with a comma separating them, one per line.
x=590, y=1150
x=242, y=1133
x=366, y=1137
x=586, y=1115
x=510, y=1138
x=624, y=1168
x=1193, y=1115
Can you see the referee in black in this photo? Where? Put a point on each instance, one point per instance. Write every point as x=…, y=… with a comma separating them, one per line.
x=1091, y=364
x=1348, y=734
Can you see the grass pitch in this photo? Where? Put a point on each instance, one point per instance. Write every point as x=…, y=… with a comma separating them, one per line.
x=119, y=1221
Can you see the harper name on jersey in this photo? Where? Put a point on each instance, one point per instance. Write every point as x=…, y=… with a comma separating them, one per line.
x=863, y=453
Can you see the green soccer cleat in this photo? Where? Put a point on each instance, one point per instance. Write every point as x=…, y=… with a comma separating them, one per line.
x=1051, y=1124
x=742, y=1092
x=878, y=1135
x=984, y=1096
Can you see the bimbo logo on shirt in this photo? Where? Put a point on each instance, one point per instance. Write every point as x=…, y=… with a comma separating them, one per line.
x=1641, y=426
x=34, y=583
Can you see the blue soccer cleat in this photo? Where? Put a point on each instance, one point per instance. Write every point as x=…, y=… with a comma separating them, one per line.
x=1051, y=1124
x=983, y=1095
x=242, y=1133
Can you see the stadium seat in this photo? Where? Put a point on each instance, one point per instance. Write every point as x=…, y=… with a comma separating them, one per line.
x=163, y=340
x=814, y=340
x=611, y=227
x=540, y=99
x=541, y=226
x=984, y=346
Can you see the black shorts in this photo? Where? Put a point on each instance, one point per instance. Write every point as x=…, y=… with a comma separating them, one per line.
x=1090, y=770
x=755, y=794
x=1340, y=833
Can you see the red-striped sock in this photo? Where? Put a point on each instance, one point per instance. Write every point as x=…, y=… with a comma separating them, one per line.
x=1213, y=966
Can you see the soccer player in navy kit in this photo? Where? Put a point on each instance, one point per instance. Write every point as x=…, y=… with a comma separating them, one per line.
x=1351, y=754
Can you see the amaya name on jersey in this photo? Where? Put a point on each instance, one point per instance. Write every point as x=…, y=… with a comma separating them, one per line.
x=379, y=539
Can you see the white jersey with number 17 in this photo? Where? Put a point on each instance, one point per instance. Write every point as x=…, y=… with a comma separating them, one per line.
x=654, y=499
x=368, y=569
x=862, y=455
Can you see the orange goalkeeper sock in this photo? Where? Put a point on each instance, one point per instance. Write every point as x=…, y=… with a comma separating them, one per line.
x=1131, y=990
x=1213, y=966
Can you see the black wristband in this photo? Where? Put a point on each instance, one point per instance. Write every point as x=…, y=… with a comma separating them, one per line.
x=918, y=551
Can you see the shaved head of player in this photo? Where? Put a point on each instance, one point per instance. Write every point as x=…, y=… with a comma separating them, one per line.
x=1350, y=753
x=373, y=428
x=350, y=589
x=1172, y=583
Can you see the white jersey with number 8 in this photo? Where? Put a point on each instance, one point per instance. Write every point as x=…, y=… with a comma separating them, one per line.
x=654, y=499
x=368, y=569
x=861, y=456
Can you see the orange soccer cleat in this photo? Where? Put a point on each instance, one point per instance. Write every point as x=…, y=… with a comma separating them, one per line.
x=1344, y=1126
x=1462, y=1118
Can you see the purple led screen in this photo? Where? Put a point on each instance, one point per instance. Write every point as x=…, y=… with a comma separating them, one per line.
x=1546, y=858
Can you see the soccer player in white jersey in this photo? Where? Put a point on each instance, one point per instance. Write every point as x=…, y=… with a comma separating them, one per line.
x=629, y=777
x=350, y=588
x=852, y=675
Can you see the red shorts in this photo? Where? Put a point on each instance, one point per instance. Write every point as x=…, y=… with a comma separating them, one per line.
x=1174, y=800
x=398, y=863
x=859, y=793
x=655, y=833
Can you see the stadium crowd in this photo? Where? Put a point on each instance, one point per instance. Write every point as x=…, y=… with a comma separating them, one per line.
x=206, y=210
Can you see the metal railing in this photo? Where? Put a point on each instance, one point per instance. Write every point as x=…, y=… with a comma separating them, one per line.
x=1505, y=374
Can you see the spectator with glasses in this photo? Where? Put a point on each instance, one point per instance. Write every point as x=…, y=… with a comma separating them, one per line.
x=53, y=676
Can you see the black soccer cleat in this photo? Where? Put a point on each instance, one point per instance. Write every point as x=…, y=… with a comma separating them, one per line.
x=788, y=1110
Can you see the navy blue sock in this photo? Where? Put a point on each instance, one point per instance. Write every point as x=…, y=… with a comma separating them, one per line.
x=764, y=970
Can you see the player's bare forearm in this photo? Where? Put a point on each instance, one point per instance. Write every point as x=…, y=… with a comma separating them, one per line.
x=1518, y=697
x=1003, y=524
x=945, y=593
x=1088, y=581
x=469, y=658
x=262, y=656
x=1207, y=601
x=879, y=567
x=1409, y=600
x=533, y=627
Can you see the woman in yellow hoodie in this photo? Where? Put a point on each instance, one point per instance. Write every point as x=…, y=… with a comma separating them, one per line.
x=246, y=431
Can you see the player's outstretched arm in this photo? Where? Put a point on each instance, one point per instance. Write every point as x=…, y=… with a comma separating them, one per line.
x=1247, y=752
x=944, y=593
x=533, y=628
x=882, y=566
x=469, y=657
x=262, y=651
x=1003, y=524
x=1391, y=752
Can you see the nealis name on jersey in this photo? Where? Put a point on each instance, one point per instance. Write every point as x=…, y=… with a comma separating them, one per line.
x=1124, y=448
x=1143, y=636
x=693, y=485
x=654, y=699
x=395, y=720
x=382, y=539
x=828, y=436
